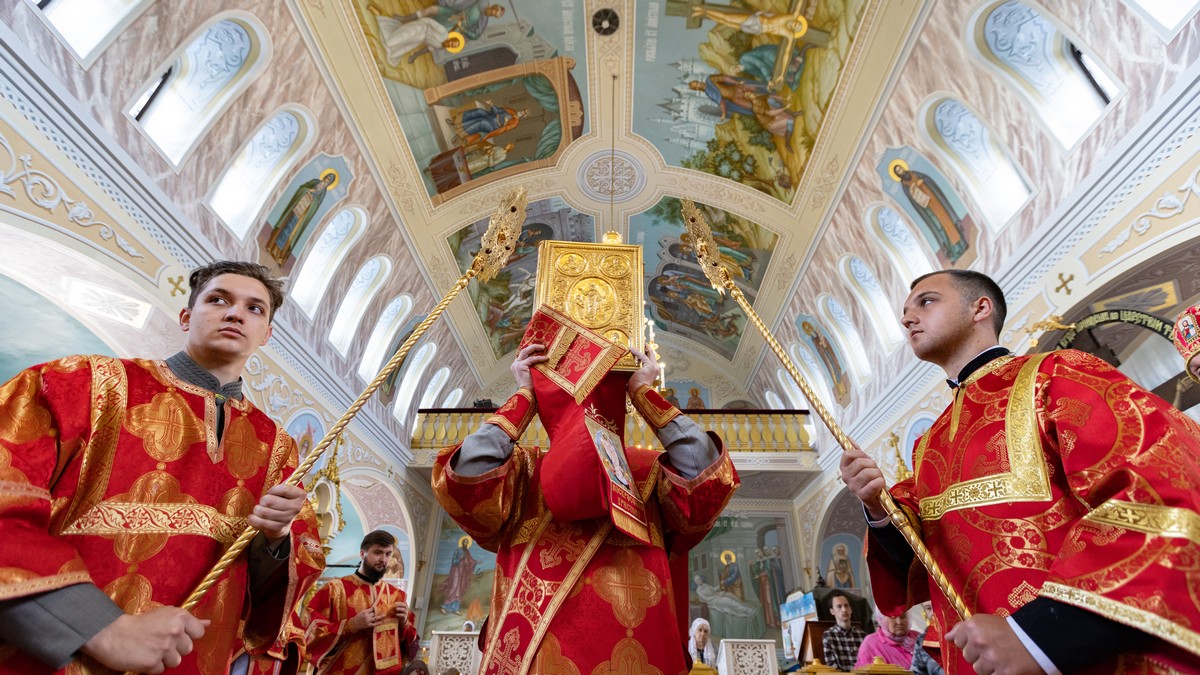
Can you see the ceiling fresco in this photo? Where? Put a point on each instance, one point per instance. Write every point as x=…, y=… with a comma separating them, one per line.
x=482, y=92
x=741, y=91
x=608, y=125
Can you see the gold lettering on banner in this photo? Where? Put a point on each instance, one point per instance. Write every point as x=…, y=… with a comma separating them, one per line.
x=1028, y=479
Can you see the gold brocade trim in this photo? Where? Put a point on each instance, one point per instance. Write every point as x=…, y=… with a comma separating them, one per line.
x=1028, y=479
x=561, y=595
x=11, y=489
x=22, y=588
x=1122, y=613
x=560, y=345
x=508, y=599
x=109, y=518
x=609, y=355
x=109, y=399
x=653, y=415
x=1163, y=521
x=515, y=431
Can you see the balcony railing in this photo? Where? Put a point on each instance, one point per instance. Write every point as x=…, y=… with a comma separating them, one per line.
x=742, y=430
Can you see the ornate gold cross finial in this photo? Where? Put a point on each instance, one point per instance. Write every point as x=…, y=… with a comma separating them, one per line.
x=1053, y=322
x=902, y=470
x=497, y=244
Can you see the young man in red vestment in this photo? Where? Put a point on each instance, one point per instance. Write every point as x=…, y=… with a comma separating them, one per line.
x=591, y=576
x=122, y=481
x=360, y=624
x=1060, y=499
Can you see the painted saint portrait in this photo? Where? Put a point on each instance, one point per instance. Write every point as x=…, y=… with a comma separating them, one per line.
x=301, y=207
x=819, y=342
x=927, y=197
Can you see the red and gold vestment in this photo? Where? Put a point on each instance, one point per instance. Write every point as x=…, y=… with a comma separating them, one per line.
x=581, y=596
x=111, y=474
x=1054, y=475
x=334, y=650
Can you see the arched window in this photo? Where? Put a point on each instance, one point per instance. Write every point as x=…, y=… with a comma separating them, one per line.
x=383, y=335
x=434, y=388
x=862, y=282
x=899, y=243
x=453, y=398
x=847, y=335
x=773, y=401
x=807, y=364
x=1167, y=16
x=259, y=166
x=325, y=256
x=87, y=27
x=362, y=290
x=794, y=396
x=1065, y=86
x=413, y=371
x=989, y=171
x=180, y=105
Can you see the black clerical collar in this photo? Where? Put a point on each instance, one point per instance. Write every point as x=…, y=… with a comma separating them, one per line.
x=987, y=356
x=358, y=573
x=189, y=371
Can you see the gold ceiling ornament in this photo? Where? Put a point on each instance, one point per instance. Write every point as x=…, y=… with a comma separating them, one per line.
x=902, y=471
x=331, y=473
x=496, y=246
x=597, y=285
x=709, y=257
x=1053, y=322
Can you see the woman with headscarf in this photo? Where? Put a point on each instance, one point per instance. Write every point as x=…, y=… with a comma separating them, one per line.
x=700, y=647
x=892, y=641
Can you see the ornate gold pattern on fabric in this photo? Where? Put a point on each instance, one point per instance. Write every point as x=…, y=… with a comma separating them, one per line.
x=1122, y=613
x=30, y=420
x=133, y=593
x=629, y=587
x=245, y=454
x=167, y=426
x=559, y=346
x=110, y=397
x=655, y=416
x=1028, y=479
x=561, y=544
x=17, y=581
x=628, y=658
x=115, y=518
x=550, y=660
x=514, y=431
x=1155, y=519
x=599, y=286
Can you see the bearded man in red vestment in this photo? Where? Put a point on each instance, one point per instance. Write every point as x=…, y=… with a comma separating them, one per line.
x=1060, y=499
x=122, y=481
x=591, y=575
x=361, y=624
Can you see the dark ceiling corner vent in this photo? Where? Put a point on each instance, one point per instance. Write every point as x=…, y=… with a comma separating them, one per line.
x=605, y=21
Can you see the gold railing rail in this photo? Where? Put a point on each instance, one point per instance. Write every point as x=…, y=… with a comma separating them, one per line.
x=742, y=430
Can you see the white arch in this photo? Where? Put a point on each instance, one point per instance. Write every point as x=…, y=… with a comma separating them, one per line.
x=386, y=327
x=1032, y=53
x=191, y=91
x=794, y=396
x=890, y=228
x=452, y=398
x=865, y=286
x=366, y=284
x=987, y=168
x=773, y=401
x=1167, y=16
x=807, y=364
x=325, y=257
x=846, y=334
x=434, y=388
x=259, y=167
x=88, y=27
x=414, y=370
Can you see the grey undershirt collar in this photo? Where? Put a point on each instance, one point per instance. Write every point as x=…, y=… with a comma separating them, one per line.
x=189, y=371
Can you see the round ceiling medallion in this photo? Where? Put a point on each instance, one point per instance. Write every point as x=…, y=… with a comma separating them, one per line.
x=614, y=175
x=605, y=21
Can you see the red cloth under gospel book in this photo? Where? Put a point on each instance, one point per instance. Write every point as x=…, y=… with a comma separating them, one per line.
x=1054, y=475
x=111, y=473
x=572, y=592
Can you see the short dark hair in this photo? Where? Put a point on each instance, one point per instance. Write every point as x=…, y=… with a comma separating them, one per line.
x=202, y=275
x=836, y=594
x=975, y=285
x=377, y=538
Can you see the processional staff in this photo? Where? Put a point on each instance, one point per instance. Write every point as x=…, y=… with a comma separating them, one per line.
x=709, y=257
x=495, y=248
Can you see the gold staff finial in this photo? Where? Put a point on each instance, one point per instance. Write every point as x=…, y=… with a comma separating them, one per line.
x=902, y=471
x=1052, y=322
